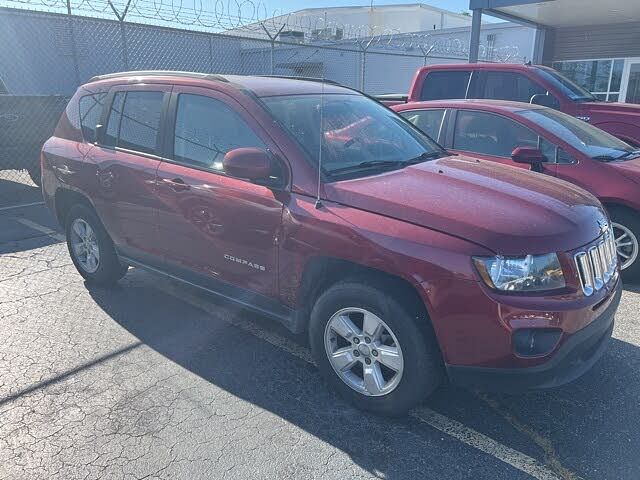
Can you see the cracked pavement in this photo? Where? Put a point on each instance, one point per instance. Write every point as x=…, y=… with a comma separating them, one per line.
x=153, y=379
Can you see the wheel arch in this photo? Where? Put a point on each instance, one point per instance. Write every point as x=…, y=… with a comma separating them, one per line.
x=65, y=198
x=321, y=272
x=617, y=204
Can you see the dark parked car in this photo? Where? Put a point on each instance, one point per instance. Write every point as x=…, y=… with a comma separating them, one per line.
x=315, y=205
x=522, y=83
x=26, y=121
x=564, y=147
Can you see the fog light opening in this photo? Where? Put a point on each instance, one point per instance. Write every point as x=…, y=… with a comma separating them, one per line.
x=535, y=342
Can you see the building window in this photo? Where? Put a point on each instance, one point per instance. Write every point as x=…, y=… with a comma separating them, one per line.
x=600, y=77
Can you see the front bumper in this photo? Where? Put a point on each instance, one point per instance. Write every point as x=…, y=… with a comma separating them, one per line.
x=574, y=358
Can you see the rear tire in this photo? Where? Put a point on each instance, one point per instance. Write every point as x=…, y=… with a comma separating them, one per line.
x=91, y=248
x=626, y=228
x=416, y=359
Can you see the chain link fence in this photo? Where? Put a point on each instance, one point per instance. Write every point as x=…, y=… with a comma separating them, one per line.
x=46, y=55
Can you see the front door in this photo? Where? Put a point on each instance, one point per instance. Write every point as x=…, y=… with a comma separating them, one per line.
x=220, y=227
x=494, y=137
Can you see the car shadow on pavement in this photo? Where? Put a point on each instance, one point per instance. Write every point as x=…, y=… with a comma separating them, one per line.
x=17, y=188
x=272, y=379
x=591, y=427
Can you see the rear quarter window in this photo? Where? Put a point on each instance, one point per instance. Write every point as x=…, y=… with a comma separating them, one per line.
x=442, y=85
x=90, y=113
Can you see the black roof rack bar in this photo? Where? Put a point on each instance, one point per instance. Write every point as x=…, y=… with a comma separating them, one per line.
x=159, y=73
x=307, y=79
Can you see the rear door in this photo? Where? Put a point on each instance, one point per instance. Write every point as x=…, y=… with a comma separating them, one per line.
x=446, y=84
x=494, y=137
x=127, y=156
x=501, y=85
x=220, y=227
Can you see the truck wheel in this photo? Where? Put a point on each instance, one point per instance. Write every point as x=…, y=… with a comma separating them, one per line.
x=626, y=230
x=373, y=351
x=91, y=248
x=35, y=173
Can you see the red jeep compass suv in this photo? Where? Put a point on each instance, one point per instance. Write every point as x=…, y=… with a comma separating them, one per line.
x=315, y=205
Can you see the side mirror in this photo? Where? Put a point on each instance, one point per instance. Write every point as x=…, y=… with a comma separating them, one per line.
x=545, y=100
x=531, y=156
x=251, y=163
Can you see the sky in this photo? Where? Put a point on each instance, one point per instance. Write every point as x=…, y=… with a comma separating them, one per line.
x=292, y=5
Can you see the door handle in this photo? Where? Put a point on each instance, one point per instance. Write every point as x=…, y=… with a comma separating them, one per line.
x=176, y=184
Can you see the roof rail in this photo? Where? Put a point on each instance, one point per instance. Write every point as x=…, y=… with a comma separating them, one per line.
x=158, y=73
x=306, y=79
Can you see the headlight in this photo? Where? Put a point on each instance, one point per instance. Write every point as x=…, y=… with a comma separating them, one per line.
x=533, y=273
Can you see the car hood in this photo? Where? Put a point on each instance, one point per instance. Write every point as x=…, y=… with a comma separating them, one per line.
x=627, y=110
x=508, y=210
x=628, y=168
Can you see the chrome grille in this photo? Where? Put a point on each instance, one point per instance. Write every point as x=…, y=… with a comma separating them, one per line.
x=598, y=264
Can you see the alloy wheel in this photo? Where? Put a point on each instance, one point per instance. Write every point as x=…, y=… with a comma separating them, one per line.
x=626, y=245
x=363, y=351
x=85, y=245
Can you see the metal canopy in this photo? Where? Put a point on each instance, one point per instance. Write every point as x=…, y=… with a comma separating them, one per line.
x=542, y=14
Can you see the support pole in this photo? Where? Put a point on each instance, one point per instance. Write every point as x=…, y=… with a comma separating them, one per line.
x=474, y=44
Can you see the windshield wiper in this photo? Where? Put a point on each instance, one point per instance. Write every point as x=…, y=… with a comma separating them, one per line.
x=632, y=153
x=423, y=157
x=369, y=164
x=611, y=158
x=605, y=158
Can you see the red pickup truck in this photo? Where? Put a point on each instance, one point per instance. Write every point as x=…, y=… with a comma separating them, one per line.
x=316, y=206
x=521, y=83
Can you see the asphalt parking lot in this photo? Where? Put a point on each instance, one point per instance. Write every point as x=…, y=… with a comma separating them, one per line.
x=155, y=380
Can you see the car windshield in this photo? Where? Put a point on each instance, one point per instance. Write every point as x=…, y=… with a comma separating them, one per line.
x=572, y=90
x=585, y=138
x=359, y=136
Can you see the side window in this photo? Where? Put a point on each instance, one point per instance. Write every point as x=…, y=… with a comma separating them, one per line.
x=429, y=121
x=134, y=121
x=90, y=112
x=440, y=85
x=491, y=134
x=510, y=86
x=206, y=129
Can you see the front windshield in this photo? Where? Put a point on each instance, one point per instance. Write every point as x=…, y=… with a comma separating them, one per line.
x=570, y=89
x=359, y=136
x=585, y=138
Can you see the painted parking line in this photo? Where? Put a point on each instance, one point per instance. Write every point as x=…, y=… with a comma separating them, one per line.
x=23, y=205
x=41, y=228
x=444, y=424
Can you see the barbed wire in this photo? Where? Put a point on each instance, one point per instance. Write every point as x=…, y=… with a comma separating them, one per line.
x=253, y=19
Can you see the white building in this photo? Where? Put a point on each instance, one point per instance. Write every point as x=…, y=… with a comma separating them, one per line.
x=337, y=23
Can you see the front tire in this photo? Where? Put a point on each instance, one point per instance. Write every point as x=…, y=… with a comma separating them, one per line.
x=91, y=248
x=626, y=230
x=371, y=350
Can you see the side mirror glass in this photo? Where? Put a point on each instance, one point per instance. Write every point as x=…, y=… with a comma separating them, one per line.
x=531, y=156
x=545, y=100
x=251, y=163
